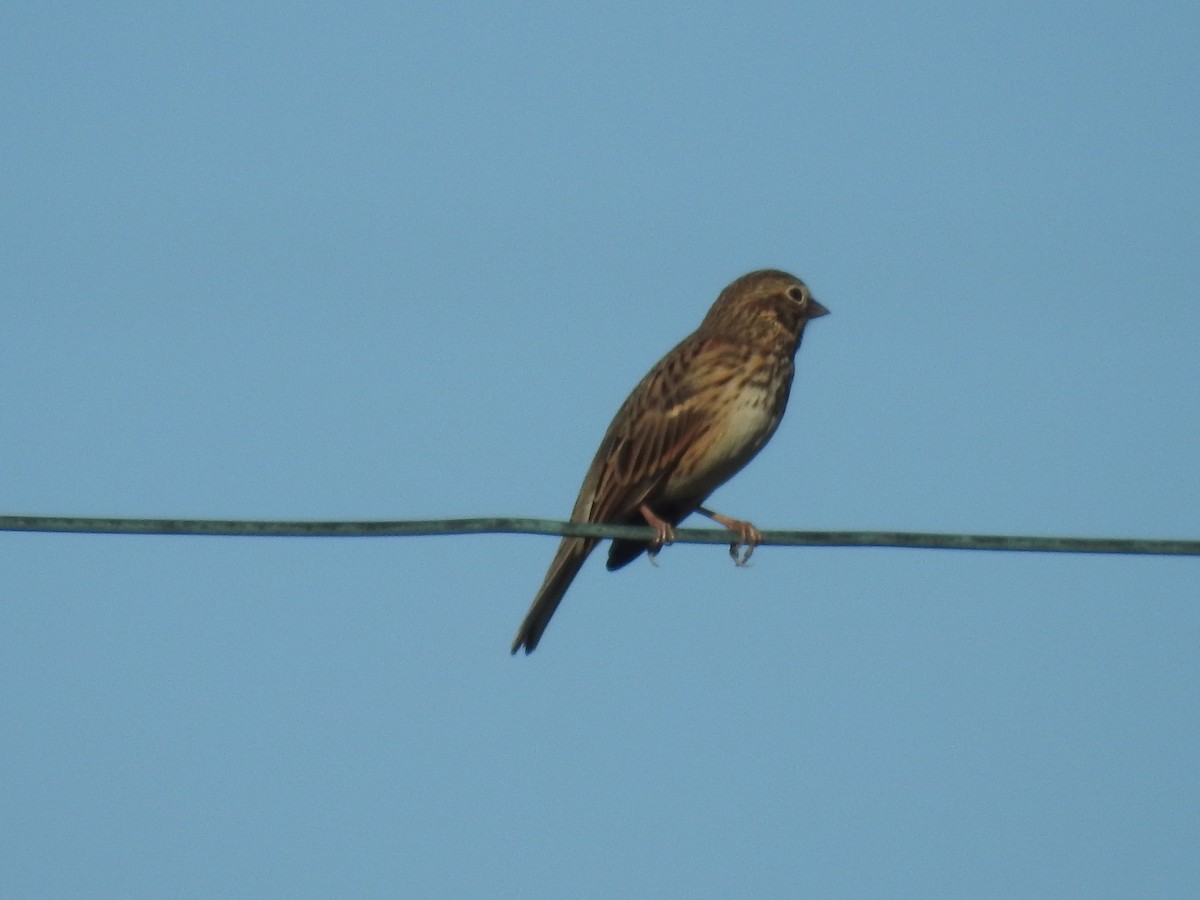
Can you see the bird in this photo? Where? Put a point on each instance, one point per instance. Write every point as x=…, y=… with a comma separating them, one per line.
x=696, y=418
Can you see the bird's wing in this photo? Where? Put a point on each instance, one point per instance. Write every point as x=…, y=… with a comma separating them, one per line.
x=652, y=430
x=657, y=424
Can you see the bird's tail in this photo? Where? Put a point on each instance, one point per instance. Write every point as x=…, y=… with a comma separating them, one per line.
x=569, y=559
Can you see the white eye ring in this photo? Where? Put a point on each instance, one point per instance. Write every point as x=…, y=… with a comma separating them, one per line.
x=797, y=294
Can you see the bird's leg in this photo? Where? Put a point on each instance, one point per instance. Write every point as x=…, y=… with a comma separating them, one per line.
x=748, y=536
x=663, y=532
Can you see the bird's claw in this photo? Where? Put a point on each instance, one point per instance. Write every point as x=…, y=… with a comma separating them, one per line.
x=749, y=537
x=664, y=533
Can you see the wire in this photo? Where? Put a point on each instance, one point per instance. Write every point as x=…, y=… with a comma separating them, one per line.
x=501, y=525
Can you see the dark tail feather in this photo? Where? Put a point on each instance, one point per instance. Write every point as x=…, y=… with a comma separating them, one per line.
x=622, y=553
x=569, y=559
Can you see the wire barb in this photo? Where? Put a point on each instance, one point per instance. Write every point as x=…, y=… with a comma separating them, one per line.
x=505, y=525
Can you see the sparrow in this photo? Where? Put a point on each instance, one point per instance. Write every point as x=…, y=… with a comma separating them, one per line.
x=692, y=423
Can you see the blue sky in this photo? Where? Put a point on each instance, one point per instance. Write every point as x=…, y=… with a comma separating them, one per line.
x=377, y=261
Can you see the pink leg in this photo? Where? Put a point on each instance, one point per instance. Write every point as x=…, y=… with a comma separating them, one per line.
x=663, y=532
x=748, y=536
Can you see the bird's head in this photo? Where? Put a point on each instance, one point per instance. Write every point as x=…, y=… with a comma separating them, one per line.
x=762, y=304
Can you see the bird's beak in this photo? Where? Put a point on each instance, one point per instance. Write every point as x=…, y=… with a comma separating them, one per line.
x=815, y=309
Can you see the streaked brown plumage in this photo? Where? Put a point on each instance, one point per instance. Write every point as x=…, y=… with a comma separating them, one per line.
x=695, y=420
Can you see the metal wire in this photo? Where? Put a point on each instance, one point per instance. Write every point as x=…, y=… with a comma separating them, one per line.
x=505, y=525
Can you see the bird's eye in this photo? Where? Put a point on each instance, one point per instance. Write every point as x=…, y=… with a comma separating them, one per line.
x=796, y=293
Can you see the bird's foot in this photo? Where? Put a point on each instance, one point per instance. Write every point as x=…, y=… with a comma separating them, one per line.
x=748, y=536
x=663, y=532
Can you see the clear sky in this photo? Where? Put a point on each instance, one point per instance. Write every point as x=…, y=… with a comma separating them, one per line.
x=389, y=261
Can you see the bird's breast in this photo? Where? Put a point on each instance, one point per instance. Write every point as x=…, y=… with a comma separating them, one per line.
x=743, y=418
